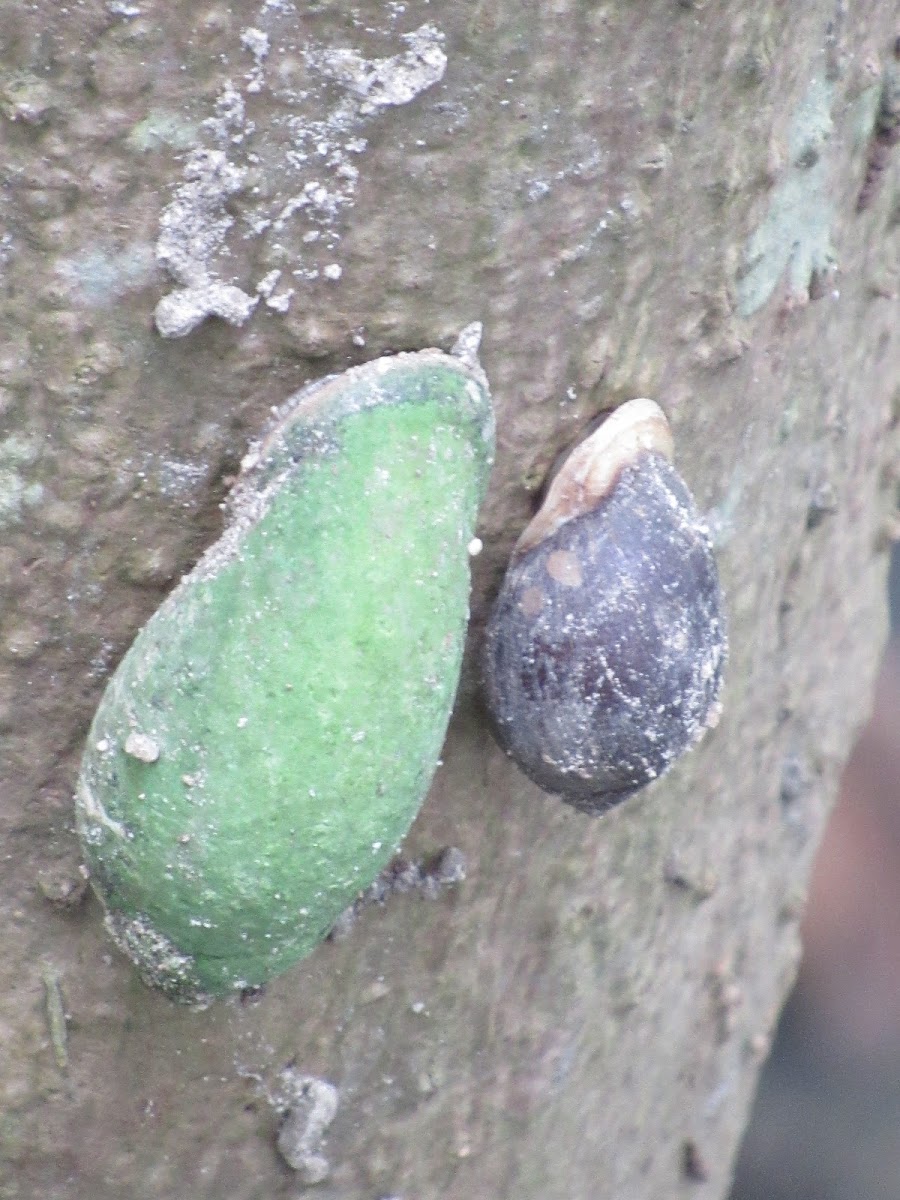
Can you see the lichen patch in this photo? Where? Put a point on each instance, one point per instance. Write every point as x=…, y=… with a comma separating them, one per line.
x=305, y=149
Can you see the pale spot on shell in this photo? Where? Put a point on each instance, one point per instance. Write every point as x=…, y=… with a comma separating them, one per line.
x=142, y=747
x=531, y=602
x=564, y=567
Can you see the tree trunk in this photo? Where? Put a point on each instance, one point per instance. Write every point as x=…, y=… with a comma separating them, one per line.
x=689, y=201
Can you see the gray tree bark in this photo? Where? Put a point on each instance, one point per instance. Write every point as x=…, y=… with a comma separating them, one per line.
x=691, y=201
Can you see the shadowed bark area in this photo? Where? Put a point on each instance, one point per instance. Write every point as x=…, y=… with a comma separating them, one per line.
x=656, y=199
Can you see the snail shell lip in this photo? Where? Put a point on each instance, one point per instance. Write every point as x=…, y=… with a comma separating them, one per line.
x=591, y=470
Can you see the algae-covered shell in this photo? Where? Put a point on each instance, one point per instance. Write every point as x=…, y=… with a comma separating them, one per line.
x=606, y=646
x=270, y=735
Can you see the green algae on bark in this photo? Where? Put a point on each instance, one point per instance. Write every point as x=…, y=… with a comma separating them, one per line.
x=270, y=735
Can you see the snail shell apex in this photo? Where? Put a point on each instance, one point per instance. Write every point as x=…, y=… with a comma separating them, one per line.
x=606, y=646
x=593, y=466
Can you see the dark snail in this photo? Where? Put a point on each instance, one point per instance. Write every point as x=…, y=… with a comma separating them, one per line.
x=606, y=645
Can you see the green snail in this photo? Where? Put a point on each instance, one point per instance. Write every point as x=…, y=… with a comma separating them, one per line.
x=605, y=648
x=270, y=735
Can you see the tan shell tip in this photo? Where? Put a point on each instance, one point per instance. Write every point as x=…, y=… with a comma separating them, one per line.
x=595, y=464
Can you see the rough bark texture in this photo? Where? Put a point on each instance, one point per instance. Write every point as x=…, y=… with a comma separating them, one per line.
x=651, y=198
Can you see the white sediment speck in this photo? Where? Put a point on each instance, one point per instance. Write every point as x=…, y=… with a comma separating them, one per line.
x=257, y=42
x=142, y=747
x=304, y=153
x=192, y=231
x=380, y=82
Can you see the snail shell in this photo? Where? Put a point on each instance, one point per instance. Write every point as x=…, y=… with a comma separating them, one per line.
x=267, y=740
x=606, y=645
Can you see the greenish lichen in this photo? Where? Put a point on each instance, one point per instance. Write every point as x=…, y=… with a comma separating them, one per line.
x=794, y=240
x=17, y=492
x=160, y=130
